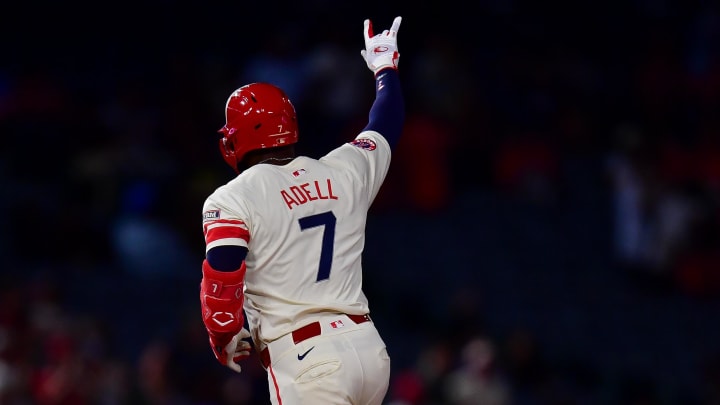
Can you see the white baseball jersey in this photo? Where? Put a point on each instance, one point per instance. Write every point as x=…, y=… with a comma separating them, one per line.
x=304, y=226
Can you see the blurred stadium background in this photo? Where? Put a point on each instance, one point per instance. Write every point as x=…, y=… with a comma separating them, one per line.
x=548, y=233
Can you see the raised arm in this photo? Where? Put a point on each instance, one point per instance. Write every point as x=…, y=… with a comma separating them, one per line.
x=387, y=114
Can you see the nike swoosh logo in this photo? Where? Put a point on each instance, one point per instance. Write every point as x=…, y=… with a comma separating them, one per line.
x=302, y=356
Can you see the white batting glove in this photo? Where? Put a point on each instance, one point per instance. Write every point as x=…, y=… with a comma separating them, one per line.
x=381, y=50
x=237, y=350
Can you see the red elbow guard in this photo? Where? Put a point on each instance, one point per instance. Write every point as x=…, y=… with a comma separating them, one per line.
x=221, y=300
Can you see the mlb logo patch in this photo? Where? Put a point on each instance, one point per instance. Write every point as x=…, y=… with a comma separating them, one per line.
x=337, y=324
x=298, y=173
x=210, y=215
x=364, y=143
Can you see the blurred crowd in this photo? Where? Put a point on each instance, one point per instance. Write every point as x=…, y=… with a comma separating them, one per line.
x=548, y=233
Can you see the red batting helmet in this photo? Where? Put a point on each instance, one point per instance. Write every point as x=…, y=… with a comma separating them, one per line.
x=257, y=116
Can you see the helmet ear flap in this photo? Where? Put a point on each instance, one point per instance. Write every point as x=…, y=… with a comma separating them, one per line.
x=227, y=150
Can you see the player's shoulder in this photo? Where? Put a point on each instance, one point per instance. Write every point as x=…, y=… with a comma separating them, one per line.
x=228, y=199
x=224, y=192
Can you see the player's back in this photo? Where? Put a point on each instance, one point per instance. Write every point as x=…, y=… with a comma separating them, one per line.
x=306, y=222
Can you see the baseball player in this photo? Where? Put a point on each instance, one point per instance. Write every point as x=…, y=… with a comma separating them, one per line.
x=284, y=241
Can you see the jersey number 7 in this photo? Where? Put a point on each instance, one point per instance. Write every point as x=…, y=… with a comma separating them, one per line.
x=326, y=219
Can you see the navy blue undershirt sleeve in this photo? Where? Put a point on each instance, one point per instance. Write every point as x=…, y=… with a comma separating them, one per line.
x=387, y=114
x=226, y=258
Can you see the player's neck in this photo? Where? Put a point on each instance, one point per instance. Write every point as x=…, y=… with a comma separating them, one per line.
x=274, y=156
x=276, y=160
